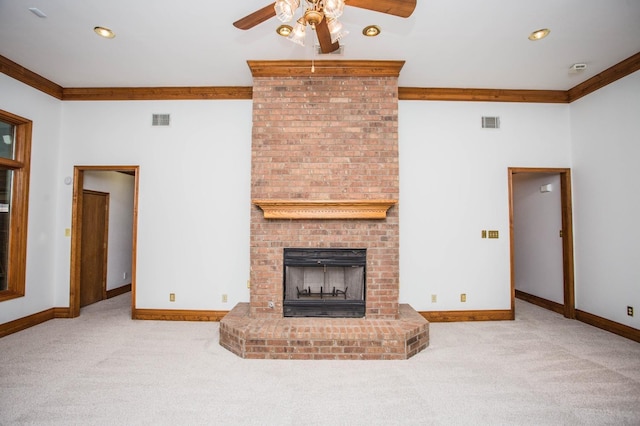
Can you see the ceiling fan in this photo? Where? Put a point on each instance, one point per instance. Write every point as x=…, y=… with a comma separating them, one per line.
x=321, y=16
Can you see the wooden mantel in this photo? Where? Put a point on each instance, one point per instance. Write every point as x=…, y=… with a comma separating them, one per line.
x=325, y=209
x=325, y=68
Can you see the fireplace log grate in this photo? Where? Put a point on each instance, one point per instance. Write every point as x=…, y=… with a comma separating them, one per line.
x=307, y=293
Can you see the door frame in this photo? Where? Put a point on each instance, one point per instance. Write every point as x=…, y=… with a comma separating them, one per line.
x=569, y=310
x=76, y=232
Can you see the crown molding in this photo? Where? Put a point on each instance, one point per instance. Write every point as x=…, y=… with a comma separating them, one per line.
x=29, y=78
x=608, y=76
x=481, y=95
x=156, y=93
x=322, y=68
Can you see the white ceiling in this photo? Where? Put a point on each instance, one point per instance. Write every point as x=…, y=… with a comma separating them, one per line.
x=445, y=43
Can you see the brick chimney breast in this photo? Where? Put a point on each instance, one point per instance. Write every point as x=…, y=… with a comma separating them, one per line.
x=325, y=137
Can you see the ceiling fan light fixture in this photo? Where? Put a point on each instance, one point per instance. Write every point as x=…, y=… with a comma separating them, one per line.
x=104, y=32
x=285, y=9
x=539, y=34
x=371, y=31
x=299, y=32
x=336, y=30
x=333, y=8
x=313, y=17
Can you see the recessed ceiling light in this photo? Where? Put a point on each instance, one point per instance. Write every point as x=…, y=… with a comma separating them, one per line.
x=539, y=34
x=284, y=30
x=371, y=30
x=104, y=32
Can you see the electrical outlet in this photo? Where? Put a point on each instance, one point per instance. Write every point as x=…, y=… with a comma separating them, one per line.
x=463, y=297
x=224, y=298
x=434, y=298
x=630, y=311
x=172, y=297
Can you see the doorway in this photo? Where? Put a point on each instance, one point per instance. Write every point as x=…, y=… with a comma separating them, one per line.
x=79, y=237
x=565, y=233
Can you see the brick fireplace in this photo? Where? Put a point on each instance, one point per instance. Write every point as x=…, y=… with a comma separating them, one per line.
x=324, y=176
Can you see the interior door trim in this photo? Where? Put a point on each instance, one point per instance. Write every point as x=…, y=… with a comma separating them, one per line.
x=76, y=232
x=567, y=235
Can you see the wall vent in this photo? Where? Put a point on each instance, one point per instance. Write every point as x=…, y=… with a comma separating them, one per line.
x=490, y=122
x=161, y=119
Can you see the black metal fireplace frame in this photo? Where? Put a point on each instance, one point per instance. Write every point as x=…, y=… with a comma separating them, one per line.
x=332, y=303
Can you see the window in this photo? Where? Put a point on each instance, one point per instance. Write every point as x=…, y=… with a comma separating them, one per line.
x=15, y=155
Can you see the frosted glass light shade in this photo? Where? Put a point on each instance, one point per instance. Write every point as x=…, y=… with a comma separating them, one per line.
x=299, y=32
x=333, y=8
x=336, y=30
x=285, y=9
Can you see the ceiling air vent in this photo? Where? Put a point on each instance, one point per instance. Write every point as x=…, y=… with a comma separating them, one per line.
x=161, y=120
x=490, y=122
x=338, y=52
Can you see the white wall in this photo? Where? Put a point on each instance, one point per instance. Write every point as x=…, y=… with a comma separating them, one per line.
x=194, y=195
x=454, y=184
x=120, y=188
x=195, y=176
x=537, y=221
x=606, y=179
x=44, y=111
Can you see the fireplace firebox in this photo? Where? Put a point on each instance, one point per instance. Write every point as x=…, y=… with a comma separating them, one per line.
x=324, y=282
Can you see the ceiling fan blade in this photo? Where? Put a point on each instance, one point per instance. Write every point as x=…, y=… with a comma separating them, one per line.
x=255, y=18
x=324, y=37
x=402, y=8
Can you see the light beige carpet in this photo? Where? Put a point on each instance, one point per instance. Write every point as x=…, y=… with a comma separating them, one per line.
x=106, y=369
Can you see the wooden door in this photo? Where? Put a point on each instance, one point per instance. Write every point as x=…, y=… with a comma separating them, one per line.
x=93, y=267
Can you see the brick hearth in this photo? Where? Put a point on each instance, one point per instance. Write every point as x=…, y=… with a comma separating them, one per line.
x=327, y=338
x=333, y=140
